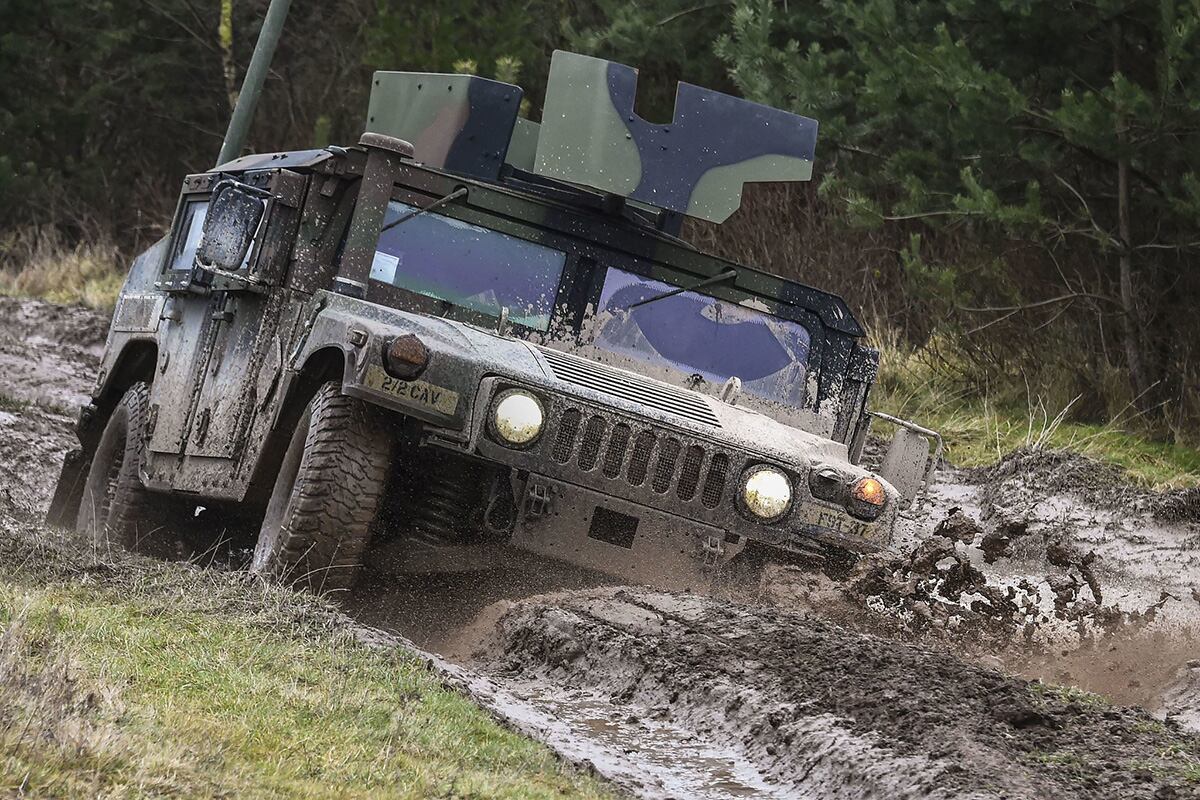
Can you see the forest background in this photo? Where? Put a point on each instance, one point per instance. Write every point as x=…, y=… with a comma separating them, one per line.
x=1008, y=191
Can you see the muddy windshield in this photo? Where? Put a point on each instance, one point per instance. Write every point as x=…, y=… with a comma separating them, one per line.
x=468, y=266
x=693, y=334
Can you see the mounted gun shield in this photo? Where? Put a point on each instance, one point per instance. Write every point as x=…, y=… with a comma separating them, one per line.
x=695, y=165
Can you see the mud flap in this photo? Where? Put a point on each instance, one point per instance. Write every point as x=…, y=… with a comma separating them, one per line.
x=65, y=503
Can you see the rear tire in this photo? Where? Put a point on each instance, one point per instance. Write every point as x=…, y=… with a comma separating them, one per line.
x=332, y=478
x=116, y=510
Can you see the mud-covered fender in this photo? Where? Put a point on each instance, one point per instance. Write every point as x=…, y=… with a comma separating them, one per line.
x=444, y=394
x=130, y=354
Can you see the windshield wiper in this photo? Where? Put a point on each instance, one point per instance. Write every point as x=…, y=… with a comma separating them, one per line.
x=724, y=276
x=436, y=204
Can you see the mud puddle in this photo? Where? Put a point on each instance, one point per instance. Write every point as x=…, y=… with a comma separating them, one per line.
x=650, y=758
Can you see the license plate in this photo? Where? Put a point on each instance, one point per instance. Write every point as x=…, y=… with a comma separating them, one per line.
x=417, y=394
x=837, y=521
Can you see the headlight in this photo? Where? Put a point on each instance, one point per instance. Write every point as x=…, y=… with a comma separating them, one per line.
x=867, y=498
x=767, y=493
x=517, y=417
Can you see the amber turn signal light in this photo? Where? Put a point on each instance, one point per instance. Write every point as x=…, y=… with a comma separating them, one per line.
x=406, y=357
x=869, y=490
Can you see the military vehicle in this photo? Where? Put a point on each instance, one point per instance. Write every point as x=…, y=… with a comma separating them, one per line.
x=472, y=337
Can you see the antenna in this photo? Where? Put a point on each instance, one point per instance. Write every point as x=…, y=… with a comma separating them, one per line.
x=256, y=75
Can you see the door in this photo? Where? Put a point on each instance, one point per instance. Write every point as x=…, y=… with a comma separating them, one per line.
x=183, y=331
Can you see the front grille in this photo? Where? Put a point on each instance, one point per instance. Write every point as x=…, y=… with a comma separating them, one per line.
x=630, y=386
x=588, y=438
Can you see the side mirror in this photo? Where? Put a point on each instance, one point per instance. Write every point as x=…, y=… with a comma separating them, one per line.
x=907, y=464
x=234, y=214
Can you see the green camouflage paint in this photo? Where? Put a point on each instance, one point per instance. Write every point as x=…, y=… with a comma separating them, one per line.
x=590, y=135
x=695, y=164
x=460, y=123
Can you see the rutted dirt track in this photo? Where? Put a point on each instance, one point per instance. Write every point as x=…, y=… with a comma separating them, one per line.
x=892, y=685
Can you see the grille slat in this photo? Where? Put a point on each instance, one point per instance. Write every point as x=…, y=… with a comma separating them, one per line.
x=714, y=483
x=689, y=473
x=639, y=462
x=664, y=468
x=614, y=456
x=593, y=437
x=568, y=429
x=630, y=386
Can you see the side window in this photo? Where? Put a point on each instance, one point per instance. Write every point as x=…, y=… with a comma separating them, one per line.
x=189, y=236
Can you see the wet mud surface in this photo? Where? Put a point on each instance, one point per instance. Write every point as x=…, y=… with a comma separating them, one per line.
x=907, y=680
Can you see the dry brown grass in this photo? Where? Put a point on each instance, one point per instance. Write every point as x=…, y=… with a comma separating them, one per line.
x=40, y=263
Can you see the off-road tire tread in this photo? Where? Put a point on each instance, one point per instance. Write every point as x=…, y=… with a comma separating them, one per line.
x=131, y=517
x=343, y=473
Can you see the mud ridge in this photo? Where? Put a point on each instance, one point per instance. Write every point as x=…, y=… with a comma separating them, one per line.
x=837, y=713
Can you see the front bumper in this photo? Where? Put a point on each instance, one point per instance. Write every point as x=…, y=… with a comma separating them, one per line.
x=646, y=469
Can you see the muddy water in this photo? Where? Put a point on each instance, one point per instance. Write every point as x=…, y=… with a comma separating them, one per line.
x=678, y=696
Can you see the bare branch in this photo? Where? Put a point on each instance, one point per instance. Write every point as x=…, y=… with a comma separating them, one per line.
x=1040, y=303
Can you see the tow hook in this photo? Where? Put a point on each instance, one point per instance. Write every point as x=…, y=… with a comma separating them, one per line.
x=713, y=548
x=540, y=497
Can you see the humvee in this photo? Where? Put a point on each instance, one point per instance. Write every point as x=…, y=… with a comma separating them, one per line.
x=471, y=336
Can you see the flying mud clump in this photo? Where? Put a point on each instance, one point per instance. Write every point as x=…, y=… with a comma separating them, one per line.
x=936, y=590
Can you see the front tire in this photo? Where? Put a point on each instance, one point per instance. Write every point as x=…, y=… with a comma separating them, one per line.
x=116, y=509
x=332, y=478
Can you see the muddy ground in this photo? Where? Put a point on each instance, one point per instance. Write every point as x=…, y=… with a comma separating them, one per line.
x=907, y=680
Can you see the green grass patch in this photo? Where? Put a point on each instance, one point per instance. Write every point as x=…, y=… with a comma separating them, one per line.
x=133, y=678
x=979, y=430
x=1068, y=694
x=12, y=404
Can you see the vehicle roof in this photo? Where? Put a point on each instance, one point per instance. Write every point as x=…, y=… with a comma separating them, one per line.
x=581, y=212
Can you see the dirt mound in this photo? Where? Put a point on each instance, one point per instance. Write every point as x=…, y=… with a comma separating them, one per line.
x=49, y=354
x=831, y=712
x=70, y=326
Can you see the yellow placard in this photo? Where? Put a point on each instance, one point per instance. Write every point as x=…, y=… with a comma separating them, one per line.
x=417, y=394
x=834, y=519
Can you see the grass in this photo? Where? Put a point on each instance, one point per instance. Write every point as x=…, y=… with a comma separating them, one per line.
x=88, y=273
x=979, y=430
x=1069, y=694
x=12, y=404
x=132, y=678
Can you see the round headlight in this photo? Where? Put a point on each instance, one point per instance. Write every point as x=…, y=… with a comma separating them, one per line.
x=767, y=493
x=518, y=418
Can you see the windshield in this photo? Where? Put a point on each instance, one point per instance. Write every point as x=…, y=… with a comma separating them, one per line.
x=469, y=266
x=695, y=334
